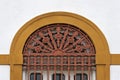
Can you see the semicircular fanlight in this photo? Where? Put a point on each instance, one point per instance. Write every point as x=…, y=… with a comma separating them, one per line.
x=59, y=38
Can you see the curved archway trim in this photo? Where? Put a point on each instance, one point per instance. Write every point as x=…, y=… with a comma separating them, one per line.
x=103, y=57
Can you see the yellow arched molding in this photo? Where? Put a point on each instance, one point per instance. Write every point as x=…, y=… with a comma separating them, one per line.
x=59, y=17
x=100, y=43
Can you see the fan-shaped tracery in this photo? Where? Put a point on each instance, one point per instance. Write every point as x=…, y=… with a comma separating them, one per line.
x=59, y=47
x=62, y=38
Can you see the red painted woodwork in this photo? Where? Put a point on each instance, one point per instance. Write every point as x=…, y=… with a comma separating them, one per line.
x=59, y=47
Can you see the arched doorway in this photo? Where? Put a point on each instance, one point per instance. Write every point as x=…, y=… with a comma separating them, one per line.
x=75, y=27
x=59, y=48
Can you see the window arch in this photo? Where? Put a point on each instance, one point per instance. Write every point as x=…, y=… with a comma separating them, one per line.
x=81, y=76
x=101, y=47
x=58, y=76
x=69, y=48
x=36, y=76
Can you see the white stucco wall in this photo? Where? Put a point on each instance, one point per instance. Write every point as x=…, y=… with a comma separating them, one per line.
x=92, y=76
x=4, y=72
x=115, y=72
x=104, y=13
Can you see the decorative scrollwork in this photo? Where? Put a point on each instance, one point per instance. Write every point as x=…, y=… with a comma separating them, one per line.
x=59, y=37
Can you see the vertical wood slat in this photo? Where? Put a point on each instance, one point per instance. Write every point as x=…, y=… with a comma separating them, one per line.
x=89, y=67
x=41, y=68
x=61, y=67
x=54, y=68
x=82, y=67
x=28, y=67
x=68, y=67
x=34, y=67
x=75, y=67
x=48, y=69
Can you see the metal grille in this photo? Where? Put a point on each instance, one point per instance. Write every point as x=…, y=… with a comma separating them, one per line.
x=59, y=47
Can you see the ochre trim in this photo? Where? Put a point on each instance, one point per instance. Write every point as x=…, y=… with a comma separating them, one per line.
x=99, y=41
x=15, y=72
x=4, y=59
x=11, y=59
x=59, y=17
x=100, y=59
x=115, y=59
x=16, y=59
x=103, y=56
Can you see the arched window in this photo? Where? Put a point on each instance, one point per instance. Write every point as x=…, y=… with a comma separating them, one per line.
x=36, y=76
x=59, y=42
x=81, y=76
x=58, y=76
x=59, y=47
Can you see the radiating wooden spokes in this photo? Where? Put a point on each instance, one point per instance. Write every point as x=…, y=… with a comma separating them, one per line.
x=63, y=37
x=59, y=47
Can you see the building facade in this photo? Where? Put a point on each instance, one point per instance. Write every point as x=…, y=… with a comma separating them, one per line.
x=59, y=46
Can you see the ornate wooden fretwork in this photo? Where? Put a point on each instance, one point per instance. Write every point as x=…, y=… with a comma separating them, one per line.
x=59, y=47
x=59, y=38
